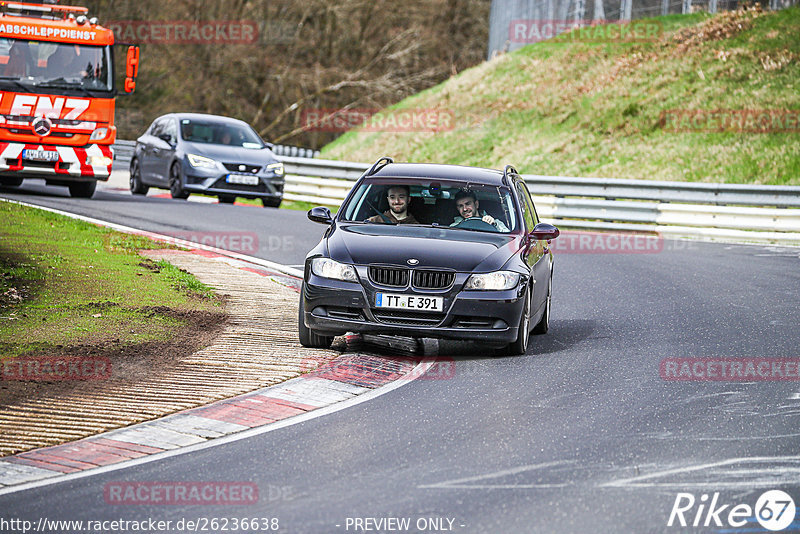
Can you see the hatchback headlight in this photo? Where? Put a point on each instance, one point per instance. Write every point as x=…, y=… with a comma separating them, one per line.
x=327, y=268
x=277, y=168
x=201, y=161
x=495, y=281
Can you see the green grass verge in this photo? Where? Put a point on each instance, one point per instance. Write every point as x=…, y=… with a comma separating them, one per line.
x=67, y=283
x=570, y=108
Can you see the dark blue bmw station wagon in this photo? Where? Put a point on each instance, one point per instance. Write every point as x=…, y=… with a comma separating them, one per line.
x=427, y=250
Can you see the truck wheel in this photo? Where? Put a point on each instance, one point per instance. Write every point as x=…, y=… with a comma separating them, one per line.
x=137, y=187
x=82, y=189
x=271, y=202
x=176, y=189
x=11, y=182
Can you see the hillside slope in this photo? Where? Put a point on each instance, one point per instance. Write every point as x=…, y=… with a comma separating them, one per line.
x=621, y=109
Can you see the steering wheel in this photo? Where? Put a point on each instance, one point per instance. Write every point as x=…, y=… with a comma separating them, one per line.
x=476, y=223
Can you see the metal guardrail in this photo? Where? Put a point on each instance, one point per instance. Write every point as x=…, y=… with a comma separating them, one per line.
x=715, y=211
x=736, y=212
x=294, y=151
x=123, y=150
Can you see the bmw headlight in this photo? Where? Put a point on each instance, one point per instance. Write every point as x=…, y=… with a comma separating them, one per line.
x=495, y=281
x=327, y=268
x=201, y=161
x=277, y=168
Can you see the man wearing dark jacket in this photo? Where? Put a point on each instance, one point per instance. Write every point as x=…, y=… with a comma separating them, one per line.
x=398, y=196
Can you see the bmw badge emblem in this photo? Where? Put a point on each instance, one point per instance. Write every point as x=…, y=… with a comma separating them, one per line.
x=412, y=261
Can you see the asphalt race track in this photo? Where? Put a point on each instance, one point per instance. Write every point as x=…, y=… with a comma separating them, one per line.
x=582, y=434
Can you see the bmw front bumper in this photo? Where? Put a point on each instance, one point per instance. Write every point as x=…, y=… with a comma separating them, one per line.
x=334, y=307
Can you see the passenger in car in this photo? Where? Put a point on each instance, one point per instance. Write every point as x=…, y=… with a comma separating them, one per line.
x=398, y=197
x=467, y=206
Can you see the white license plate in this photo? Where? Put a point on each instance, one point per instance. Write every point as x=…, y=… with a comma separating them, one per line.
x=409, y=302
x=244, y=179
x=39, y=155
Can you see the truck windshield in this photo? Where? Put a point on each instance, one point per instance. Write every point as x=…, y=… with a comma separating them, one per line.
x=55, y=65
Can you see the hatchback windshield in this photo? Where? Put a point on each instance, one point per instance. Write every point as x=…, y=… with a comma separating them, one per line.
x=63, y=66
x=220, y=133
x=454, y=205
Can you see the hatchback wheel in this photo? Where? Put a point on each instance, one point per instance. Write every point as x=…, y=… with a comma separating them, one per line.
x=137, y=187
x=176, y=189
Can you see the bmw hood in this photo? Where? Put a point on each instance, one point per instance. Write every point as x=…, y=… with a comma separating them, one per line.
x=461, y=250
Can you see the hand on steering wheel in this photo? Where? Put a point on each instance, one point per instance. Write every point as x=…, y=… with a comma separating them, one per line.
x=475, y=223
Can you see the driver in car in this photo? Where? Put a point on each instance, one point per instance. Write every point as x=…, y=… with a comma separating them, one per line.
x=467, y=206
x=398, y=197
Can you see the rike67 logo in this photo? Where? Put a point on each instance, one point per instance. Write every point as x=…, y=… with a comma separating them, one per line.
x=774, y=510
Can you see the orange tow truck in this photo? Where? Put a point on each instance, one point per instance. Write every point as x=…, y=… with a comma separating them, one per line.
x=57, y=92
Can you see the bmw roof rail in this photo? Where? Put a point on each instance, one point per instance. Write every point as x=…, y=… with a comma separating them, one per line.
x=378, y=166
x=507, y=171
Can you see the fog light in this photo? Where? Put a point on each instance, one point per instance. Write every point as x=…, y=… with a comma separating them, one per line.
x=99, y=161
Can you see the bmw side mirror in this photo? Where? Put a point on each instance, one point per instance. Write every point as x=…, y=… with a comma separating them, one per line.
x=320, y=214
x=544, y=231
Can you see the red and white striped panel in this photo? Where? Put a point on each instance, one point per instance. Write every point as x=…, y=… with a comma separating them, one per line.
x=76, y=156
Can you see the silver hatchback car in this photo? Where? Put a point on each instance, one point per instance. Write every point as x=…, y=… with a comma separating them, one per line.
x=196, y=153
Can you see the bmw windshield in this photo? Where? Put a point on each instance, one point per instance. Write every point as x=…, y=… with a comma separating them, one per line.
x=431, y=202
x=56, y=66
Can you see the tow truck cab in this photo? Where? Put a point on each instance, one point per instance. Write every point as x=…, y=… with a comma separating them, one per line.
x=57, y=96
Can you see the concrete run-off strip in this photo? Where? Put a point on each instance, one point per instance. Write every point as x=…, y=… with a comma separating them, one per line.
x=255, y=366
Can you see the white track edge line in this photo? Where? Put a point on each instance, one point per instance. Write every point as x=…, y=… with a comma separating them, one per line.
x=285, y=269
x=413, y=374
x=420, y=368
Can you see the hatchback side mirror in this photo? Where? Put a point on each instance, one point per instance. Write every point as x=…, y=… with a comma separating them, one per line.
x=544, y=231
x=320, y=214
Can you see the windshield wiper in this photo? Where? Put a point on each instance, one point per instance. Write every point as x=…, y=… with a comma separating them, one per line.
x=15, y=81
x=64, y=85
